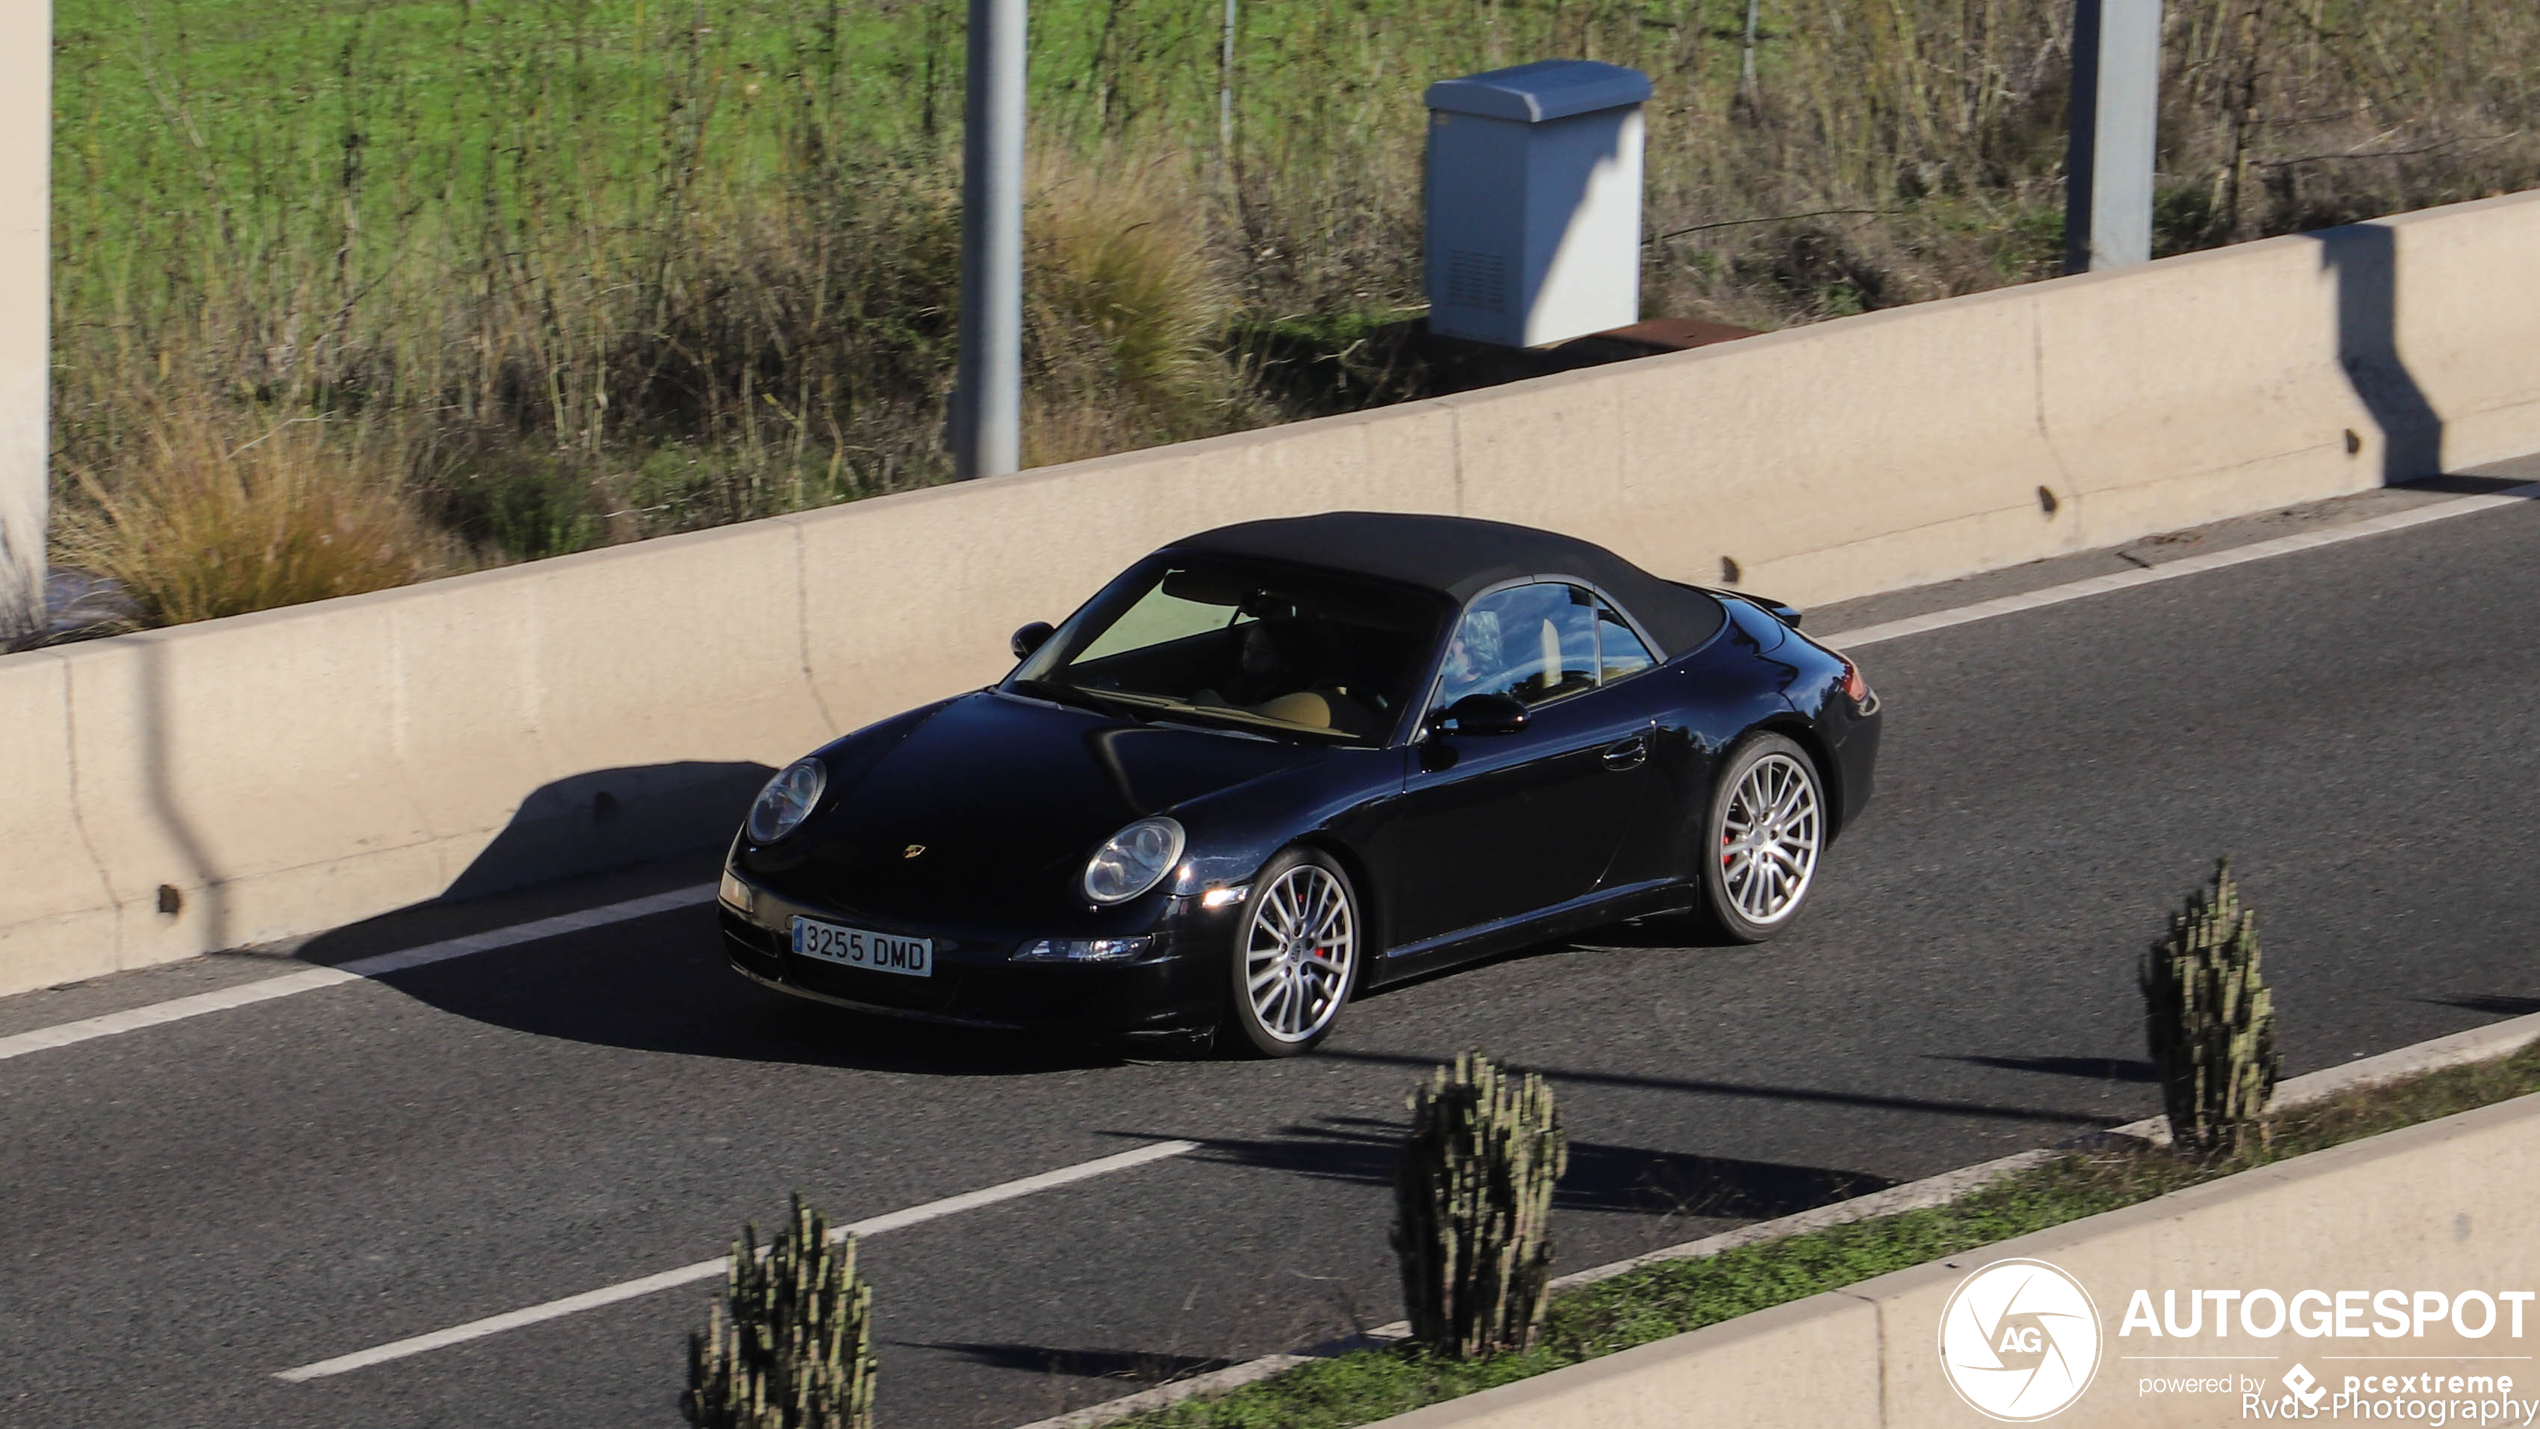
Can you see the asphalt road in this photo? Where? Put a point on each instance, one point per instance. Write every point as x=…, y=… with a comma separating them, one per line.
x=187, y=1209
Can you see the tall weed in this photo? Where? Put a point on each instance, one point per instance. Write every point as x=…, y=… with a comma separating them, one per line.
x=1124, y=311
x=205, y=518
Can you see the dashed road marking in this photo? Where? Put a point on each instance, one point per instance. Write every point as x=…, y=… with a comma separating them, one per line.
x=310, y=979
x=710, y=1269
x=2173, y=570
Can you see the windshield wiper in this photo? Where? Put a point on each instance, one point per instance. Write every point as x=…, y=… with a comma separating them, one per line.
x=1079, y=697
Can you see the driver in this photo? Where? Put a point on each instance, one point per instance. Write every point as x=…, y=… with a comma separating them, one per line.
x=1286, y=668
x=1273, y=660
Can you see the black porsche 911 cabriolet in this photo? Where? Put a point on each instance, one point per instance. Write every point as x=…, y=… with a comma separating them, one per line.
x=1276, y=762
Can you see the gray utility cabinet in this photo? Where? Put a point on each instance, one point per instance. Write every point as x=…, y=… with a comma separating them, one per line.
x=1534, y=202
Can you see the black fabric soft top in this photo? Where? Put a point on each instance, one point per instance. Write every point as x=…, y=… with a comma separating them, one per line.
x=1461, y=558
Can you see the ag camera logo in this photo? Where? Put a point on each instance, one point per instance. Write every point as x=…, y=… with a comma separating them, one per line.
x=2019, y=1341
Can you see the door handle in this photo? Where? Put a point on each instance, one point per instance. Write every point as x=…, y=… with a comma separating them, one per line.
x=1627, y=753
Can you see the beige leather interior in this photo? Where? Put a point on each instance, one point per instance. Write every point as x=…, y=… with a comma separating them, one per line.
x=1551, y=676
x=1303, y=707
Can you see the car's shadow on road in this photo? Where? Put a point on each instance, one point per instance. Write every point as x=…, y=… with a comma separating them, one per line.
x=1664, y=932
x=660, y=984
x=1686, y=930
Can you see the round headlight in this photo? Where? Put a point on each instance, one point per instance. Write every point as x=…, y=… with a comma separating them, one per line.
x=786, y=800
x=1135, y=860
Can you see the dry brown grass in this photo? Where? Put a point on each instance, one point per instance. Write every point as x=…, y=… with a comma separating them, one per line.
x=1124, y=310
x=207, y=517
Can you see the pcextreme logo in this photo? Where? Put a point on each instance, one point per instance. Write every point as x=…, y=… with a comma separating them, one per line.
x=2019, y=1340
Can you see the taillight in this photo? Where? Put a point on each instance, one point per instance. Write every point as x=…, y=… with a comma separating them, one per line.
x=1855, y=688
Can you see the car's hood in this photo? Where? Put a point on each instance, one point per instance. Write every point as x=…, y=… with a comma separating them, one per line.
x=995, y=787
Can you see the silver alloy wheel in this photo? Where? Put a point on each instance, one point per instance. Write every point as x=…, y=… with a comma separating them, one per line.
x=1299, y=950
x=1769, y=839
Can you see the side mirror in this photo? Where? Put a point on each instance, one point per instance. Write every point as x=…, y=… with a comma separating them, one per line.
x=1480, y=714
x=1032, y=637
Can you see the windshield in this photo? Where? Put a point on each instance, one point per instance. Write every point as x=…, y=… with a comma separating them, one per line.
x=1246, y=644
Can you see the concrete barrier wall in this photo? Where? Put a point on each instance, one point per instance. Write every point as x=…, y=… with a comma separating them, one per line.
x=2444, y=1206
x=299, y=769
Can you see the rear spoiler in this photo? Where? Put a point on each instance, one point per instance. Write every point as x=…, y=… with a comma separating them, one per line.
x=1787, y=614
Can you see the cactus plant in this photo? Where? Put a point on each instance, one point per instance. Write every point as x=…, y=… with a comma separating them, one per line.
x=797, y=1349
x=2211, y=1019
x=1473, y=1208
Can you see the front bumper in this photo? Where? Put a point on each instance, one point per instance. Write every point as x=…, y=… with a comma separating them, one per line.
x=1177, y=986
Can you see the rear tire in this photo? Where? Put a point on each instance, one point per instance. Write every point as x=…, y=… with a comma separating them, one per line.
x=1761, y=838
x=1296, y=957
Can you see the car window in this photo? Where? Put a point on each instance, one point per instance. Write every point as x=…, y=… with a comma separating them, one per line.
x=1261, y=645
x=1620, y=653
x=1532, y=642
x=1159, y=617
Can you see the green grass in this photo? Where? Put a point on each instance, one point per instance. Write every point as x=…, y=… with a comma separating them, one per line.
x=565, y=272
x=1676, y=1296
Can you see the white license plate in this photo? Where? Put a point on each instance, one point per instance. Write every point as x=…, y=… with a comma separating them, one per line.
x=856, y=948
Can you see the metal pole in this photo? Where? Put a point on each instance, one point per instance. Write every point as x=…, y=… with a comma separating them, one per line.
x=987, y=405
x=1746, y=59
x=2116, y=102
x=26, y=203
x=1226, y=92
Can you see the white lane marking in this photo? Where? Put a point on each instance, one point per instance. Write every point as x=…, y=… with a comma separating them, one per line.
x=710, y=1269
x=178, y=1009
x=2189, y=566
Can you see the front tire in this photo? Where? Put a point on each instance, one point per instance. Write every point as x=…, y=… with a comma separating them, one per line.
x=1296, y=957
x=1761, y=839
